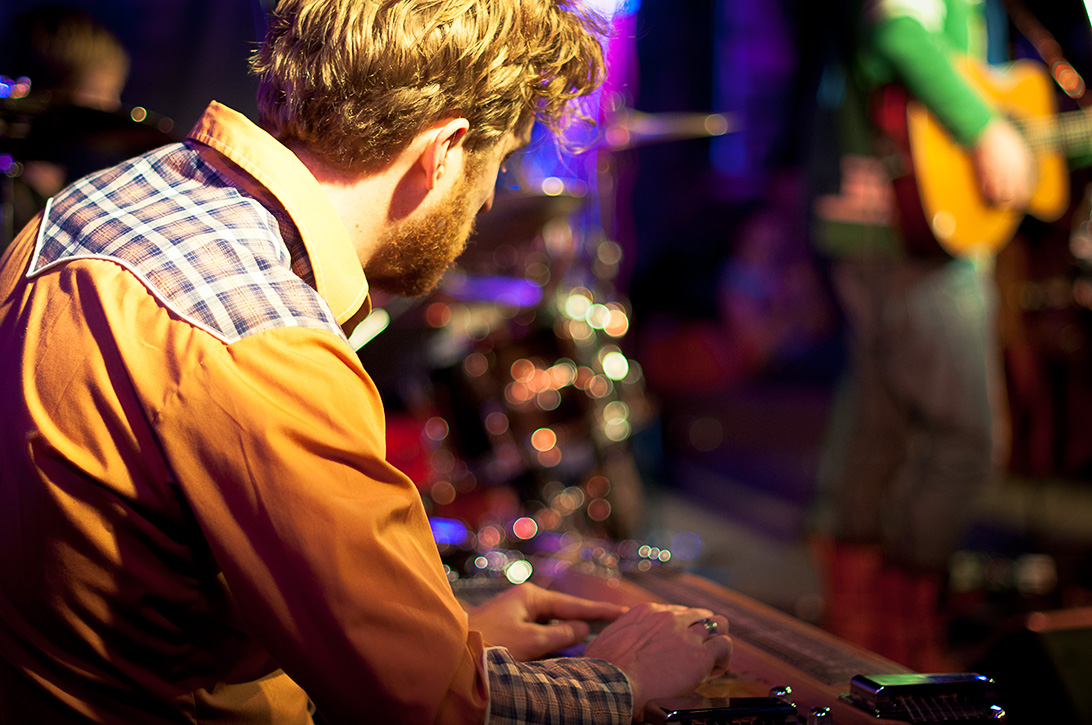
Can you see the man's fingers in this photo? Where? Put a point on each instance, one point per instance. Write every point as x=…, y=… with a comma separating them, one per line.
x=721, y=647
x=566, y=606
x=558, y=635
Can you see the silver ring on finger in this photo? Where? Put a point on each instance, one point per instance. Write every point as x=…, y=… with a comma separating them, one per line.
x=710, y=625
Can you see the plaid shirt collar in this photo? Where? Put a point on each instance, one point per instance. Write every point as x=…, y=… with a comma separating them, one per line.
x=271, y=169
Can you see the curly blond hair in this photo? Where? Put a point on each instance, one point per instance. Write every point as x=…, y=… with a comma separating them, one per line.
x=354, y=81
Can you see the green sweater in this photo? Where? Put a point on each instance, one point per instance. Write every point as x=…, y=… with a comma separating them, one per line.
x=913, y=43
x=899, y=48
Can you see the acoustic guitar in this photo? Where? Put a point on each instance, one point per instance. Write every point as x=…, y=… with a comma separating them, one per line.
x=938, y=198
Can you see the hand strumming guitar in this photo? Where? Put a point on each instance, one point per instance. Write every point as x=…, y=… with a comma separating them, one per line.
x=1004, y=164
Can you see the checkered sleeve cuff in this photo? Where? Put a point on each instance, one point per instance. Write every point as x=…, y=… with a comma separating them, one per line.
x=562, y=691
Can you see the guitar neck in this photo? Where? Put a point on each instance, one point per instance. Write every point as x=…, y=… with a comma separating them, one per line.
x=1064, y=132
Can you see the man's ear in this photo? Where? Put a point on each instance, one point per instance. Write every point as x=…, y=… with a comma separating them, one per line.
x=443, y=143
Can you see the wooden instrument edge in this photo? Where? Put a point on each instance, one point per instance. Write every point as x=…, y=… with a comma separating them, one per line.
x=753, y=670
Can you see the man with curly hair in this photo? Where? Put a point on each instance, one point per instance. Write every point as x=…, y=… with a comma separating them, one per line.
x=198, y=520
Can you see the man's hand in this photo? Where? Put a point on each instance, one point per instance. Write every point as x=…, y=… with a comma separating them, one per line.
x=665, y=650
x=533, y=622
x=1004, y=165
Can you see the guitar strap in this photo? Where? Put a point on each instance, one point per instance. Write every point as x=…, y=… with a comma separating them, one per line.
x=1063, y=72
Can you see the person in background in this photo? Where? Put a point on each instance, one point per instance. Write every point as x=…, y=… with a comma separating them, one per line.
x=73, y=62
x=69, y=55
x=913, y=441
x=198, y=518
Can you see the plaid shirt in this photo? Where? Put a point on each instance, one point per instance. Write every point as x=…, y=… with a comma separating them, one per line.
x=576, y=690
x=212, y=254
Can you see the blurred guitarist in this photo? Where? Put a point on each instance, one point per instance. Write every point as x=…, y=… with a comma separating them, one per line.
x=912, y=442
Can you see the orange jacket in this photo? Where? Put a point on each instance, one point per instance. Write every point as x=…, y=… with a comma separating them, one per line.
x=182, y=511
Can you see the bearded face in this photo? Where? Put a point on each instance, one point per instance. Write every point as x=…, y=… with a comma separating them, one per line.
x=416, y=253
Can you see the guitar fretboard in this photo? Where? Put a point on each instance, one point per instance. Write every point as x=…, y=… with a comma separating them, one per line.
x=1065, y=131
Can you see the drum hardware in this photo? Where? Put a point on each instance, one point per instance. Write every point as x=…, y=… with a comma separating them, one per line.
x=628, y=128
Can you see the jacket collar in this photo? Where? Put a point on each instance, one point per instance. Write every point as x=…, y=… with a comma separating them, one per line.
x=339, y=277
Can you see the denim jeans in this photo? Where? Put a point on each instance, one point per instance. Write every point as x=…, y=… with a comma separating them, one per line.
x=910, y=445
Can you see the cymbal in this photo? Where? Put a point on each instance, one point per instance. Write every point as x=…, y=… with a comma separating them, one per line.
x=516, y=217
x=82, y=139
x=629, y=128
x=494, y=289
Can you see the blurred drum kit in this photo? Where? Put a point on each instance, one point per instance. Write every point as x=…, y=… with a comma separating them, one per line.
x=536, y=426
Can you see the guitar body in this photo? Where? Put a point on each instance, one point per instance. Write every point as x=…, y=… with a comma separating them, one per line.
x=940, y=202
